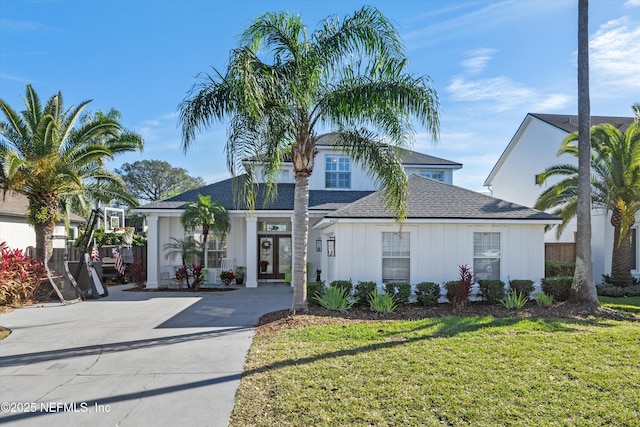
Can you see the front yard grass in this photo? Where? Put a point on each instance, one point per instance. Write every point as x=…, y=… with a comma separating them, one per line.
x=630, y=304
x=480, y=371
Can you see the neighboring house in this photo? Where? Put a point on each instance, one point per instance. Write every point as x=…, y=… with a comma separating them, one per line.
x=352, y=236
x=532, y=149
x=14, y=228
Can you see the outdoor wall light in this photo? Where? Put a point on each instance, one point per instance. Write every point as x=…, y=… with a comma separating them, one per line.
x=319, y=245
x=331, y=246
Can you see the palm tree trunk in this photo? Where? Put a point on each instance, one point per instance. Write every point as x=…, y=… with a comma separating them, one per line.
x=583, y=289
x=620, y=258
x=300, y=238
x=43, y=251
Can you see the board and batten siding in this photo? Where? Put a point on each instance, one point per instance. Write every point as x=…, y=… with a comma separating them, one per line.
x=437, y=249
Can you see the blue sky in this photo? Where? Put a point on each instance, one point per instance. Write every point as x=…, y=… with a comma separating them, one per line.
x=491, y=62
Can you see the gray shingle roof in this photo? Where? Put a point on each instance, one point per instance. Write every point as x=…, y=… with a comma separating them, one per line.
x=16, y=204
x=569, y=123
x=433, y=199
x=223, y=193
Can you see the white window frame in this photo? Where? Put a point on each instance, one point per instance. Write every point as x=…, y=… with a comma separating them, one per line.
x=216, y=244
x=488, y=254
x=400, y=253
x=342, y=170
x=435, y=175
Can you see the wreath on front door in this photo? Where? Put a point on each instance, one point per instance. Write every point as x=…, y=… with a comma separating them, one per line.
x=266, y=244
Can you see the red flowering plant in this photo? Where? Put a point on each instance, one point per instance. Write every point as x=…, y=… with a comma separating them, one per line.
x=20, y=276
x=227, y=277
x=181, y=276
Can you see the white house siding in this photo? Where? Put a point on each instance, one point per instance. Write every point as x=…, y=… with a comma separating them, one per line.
x=533, y=149
x=18, y=234
x=437, y=249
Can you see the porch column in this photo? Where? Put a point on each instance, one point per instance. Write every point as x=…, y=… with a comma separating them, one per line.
x=153, y=238
x=251, y=279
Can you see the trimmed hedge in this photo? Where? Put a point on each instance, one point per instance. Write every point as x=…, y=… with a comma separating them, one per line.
x=363, y=290
x=342, y=284
x=524, y=287
x=428, y=293
x=491, y=290
x=618, y=291
x=400, y=290
x=314, y=290
x=559, y=269
x=558, y=287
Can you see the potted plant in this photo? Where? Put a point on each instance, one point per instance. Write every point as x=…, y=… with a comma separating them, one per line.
x=263, y=265
x=227, y=277
x=239, y=275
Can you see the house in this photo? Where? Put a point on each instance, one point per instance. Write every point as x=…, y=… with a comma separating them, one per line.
x=14, y=228
x=353, y=237
x=532, y=149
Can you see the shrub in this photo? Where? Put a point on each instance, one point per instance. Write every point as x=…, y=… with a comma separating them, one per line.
x=458, y=291
x=343, y=284
x=20, y=276
x=606, y=280
x=363, y=290
x=544, y=300
x=525, y=287
x=428, y=293
x=138, y=273
x=334, y=298
x=382, y=303
x=559, y=268
x=400, y=290
x=618, y=291
x=491, y=290
x=314, y=289
x=557, y=287
x=514, y=300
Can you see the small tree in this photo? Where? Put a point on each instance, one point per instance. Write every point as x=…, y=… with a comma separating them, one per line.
x=210, y=215
x=185, y=248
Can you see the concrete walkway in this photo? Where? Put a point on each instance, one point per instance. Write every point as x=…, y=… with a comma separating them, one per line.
x=131, y=359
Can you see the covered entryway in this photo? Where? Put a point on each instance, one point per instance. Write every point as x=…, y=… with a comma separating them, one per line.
x=274, y=256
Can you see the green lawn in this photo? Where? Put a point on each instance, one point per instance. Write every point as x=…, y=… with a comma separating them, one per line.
x=630, y=304
x=479, y=371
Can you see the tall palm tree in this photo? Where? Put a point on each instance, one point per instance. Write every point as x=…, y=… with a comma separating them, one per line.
x=583, y=288
x=209, y=215
x=615, y=187
x=281, y=85
x=52, y=156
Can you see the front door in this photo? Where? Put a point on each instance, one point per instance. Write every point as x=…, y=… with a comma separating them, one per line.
x=274, y=256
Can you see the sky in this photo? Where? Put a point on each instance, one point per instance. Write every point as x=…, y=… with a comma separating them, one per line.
x=491, y=63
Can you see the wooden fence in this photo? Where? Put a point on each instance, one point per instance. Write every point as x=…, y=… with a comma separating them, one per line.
x=564, y=252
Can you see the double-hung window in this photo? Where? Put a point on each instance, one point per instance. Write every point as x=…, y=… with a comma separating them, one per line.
x=486, y=256
x=396, y=257
x=216, y=250
x=337, y=172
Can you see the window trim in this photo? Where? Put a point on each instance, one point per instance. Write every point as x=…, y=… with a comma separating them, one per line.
x=424, y=173
x=337, y=172
x=406, y=233
x=499, y=256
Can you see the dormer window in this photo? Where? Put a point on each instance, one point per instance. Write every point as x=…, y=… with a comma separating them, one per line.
x=337, y=172
x=437, y=175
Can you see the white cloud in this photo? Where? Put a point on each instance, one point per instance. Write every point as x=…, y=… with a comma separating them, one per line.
x=478, y=60
x=615, y=54
x=553, y=102
x=503, y=92
x=632, y=3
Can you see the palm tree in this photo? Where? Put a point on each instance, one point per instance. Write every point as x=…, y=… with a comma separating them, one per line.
x=281, y=85
x=210, y=215
x=615, y=187
x=186, y=249
x=52, y=156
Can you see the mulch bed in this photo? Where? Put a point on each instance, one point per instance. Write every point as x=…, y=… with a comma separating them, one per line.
x=317, y=315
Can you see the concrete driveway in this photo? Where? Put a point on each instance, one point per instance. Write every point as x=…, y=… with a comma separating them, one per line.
x=131, y=359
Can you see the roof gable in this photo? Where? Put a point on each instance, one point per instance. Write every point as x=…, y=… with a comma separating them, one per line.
x=564, y=122
x=436, y=200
